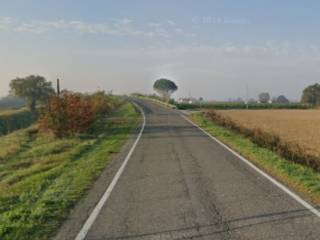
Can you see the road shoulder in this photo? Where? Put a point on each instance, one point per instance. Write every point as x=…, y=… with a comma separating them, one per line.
x=80, y=213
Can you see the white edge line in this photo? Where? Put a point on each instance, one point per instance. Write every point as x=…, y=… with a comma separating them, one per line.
x=94, y=214
x=271, y=179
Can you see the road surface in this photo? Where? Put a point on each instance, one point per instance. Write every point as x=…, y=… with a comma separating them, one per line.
x=180, y=184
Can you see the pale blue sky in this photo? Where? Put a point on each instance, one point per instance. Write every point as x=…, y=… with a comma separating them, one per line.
x=210, y=48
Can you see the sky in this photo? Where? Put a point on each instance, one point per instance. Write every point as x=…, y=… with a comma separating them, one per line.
x=210, y=48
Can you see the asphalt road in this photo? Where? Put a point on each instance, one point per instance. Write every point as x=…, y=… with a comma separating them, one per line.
x=180, y=184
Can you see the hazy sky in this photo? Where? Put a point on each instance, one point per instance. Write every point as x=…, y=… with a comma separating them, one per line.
x=210, y=48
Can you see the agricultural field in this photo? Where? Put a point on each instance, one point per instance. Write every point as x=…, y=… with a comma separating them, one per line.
x=293, y=126
x=7, y=111
x=14, y=119
x=230, y=105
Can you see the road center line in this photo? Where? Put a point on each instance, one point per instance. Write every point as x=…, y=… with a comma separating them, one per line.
x=267, y=176
x=94, y=214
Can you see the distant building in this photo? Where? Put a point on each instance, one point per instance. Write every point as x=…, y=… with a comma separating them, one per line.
x=188, y=100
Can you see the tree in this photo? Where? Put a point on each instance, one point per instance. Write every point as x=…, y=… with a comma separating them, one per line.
x=311, y=95
x=34, y=89
x=264, y=97
x=282, y=99
x=165, y=88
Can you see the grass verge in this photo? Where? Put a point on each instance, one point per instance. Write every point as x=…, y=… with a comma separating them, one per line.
x=42, y=178
x=300, y=178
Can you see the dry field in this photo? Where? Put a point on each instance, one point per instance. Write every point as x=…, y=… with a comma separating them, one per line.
x=296, y=126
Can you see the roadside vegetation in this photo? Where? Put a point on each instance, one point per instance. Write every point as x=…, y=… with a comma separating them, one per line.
x=47, y=167
x=235, y=105
x=42, y=176
x=265, y=151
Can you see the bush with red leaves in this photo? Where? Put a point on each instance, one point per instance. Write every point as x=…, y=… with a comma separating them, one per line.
x=70, y=113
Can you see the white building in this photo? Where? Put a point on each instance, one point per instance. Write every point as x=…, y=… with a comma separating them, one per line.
x=188, y=100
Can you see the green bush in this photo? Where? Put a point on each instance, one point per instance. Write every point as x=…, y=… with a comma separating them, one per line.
x=14, y=120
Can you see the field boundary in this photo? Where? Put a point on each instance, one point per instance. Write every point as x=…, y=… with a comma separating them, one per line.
x=293, y=195
x=94, y=214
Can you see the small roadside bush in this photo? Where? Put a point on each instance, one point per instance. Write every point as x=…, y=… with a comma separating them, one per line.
x=71, y=113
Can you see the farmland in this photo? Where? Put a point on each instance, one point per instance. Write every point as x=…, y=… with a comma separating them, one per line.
x=263, y=149
x=13, y=119
x=293, y=126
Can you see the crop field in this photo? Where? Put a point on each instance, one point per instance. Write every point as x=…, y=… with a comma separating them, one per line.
x=7, y=111
x=294, y=126
x=14, y=119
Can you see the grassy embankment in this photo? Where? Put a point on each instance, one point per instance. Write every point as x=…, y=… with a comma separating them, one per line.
x=299, y=177
x=41, y=178
x=11, y=120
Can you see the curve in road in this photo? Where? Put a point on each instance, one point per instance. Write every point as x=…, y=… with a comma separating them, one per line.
x=179, y=184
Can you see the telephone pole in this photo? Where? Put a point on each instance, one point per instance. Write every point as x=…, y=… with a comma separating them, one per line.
x=58, y=86
x=247, y=96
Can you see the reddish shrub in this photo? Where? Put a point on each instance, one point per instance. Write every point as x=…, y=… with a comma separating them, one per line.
x=68, y=114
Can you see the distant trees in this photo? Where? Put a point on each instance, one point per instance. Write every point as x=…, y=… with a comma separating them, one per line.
x=11, y=102
x=311, y=95
x=282, y=100
x=165, y=87
x=264, y=97
x=33, y=89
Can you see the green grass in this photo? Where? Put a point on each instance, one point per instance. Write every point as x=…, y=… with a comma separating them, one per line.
x=303, y=179
x=42, y=178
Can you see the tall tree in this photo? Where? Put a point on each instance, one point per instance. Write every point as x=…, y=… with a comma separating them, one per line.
x=282, y=99
x=311, y=95
x=34, y=89
x=165, y=88
x=264, y=97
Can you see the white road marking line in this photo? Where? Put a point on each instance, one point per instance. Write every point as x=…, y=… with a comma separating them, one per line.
x=271, y=179
x=93, y=216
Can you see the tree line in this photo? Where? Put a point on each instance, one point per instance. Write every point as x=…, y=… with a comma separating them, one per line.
x=310, y=96
x=33, y=90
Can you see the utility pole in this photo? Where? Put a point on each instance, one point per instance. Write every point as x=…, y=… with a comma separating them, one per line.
x=58, y=86
x=247, y=96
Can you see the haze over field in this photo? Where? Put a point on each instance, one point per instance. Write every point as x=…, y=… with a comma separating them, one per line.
x=209, y=48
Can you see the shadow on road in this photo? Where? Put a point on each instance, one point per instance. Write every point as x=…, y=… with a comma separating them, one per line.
x=201, y=231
